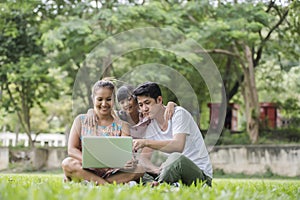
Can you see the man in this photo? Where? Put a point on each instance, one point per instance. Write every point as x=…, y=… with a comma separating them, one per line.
x=180, y=137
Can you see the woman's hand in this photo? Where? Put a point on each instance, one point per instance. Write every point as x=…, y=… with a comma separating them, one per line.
x=131, y=164
x=91, y=118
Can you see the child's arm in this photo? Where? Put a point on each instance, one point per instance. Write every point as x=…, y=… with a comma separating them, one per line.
x=91, y=118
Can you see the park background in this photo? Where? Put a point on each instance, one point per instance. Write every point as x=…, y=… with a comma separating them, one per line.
x=254, y=44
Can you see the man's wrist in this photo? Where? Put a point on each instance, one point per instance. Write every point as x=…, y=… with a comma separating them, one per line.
x=146, y=144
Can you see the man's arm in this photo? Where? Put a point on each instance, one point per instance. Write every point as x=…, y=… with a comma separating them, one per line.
x=168, y=146
x=145, y=161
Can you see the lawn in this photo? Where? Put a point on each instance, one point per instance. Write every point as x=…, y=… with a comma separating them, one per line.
x=50, y=187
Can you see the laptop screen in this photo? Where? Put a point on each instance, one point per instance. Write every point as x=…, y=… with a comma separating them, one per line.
x=106, y=151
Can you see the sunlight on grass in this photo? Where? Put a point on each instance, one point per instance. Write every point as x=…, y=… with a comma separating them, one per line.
x=50, y=187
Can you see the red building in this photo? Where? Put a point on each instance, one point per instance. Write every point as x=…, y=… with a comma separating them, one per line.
x=268, y=115
x=231, y=120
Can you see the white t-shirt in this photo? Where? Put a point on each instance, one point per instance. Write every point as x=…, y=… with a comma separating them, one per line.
x=183, y=122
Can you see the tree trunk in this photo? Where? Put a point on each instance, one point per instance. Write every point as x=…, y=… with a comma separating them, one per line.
x=17, y=129
x=249, y=92
x=26, y=111
x=107, y=64
x=20, y=113
x=26, y=127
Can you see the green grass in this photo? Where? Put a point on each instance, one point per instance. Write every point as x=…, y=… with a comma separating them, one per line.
x=50, y=187
x=267, y=175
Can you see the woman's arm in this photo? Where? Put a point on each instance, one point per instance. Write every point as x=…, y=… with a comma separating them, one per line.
x=74, y=140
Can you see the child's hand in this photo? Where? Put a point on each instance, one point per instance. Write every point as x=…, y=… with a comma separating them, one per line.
x=170, y=108
x=91, y=118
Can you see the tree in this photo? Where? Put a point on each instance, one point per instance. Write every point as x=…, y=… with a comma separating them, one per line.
x=25, y=78
x=243, y=32
x=239, y=37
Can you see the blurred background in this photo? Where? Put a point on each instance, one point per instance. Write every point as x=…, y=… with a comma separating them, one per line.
x=254, y=44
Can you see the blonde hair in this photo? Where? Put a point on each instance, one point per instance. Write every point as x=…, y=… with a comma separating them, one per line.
x=103, y=83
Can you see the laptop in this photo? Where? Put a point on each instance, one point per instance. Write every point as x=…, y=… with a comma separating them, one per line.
x=106, y=151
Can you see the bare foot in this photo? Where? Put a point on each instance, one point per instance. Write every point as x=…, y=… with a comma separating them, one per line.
x=66, y=179
x=154, y=183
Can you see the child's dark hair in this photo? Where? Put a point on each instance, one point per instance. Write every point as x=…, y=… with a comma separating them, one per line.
x=149, y=89
x=124, y=92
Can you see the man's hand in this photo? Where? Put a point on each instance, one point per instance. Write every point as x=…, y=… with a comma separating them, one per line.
x=139, y=144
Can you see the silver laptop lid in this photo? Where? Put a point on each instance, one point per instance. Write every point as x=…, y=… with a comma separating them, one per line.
x=106, y=151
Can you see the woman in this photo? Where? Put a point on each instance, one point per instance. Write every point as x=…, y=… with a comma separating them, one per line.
x=107, y=125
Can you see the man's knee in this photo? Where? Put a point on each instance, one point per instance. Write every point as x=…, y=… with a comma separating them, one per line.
x=173, y=162
x=171, y=168
x=176, y=155
x=175, y=158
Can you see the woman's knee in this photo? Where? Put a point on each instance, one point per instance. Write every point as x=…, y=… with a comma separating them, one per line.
x=69, y=164
x=65, y=163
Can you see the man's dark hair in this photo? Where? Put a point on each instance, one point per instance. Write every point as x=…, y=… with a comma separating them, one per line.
x=149, y=89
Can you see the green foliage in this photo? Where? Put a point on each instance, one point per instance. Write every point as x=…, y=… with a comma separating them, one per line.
x=275, y=136
x=228, y=138
x=24, y=75
x=290, y=107
x=279, y=136
x=236, y=22
x=43, y=45
x=51, y=187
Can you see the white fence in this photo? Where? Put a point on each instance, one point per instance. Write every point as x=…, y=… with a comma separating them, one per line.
x=42, y=139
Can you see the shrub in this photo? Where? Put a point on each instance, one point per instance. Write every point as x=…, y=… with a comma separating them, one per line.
x=228, y=138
